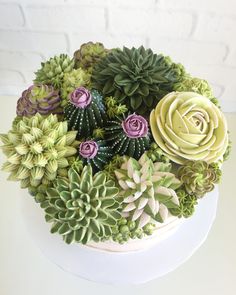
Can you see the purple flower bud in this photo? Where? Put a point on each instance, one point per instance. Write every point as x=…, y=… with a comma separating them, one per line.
x=135, y=126
x=88, y=149
x=80, y=97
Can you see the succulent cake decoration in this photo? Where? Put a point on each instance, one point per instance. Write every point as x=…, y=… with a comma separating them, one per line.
x=111, y=143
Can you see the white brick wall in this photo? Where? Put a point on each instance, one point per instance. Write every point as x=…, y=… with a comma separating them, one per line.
x=201, y=34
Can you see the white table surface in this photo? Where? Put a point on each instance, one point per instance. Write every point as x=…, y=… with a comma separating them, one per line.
x=25, y=271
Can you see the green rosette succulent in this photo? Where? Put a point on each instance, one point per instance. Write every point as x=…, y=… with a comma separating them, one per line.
x=128, y=136
x=36, y=148
x=82, y=208
x=95, y=153
x=53, y=70
x=148, y=190
x=85, y=112
x=197, y=85
x=187, y=204
x=72, y=80
x=88, y=55
x=137, y=77
x=41, y=99
x=199, y=177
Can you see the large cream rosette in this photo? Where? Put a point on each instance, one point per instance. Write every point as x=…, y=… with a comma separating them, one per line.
x=188, y=126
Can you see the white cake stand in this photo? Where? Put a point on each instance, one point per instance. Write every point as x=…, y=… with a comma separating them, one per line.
x=122, y=268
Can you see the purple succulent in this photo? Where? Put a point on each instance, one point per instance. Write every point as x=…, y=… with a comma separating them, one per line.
x=81, y=97
x=88, y=149
x=43, y=99
x=135, y=126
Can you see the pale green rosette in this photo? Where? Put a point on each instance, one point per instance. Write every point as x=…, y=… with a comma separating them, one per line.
x=188, y=126
x=37, y=148
x=148, y=190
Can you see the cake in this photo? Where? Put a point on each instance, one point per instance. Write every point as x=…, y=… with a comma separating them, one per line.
x=117, y=146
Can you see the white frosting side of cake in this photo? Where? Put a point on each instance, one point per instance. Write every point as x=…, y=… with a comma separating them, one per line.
x=162, y=231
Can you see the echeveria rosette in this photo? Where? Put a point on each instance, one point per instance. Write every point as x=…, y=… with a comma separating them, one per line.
x=72, y=80
x=188, y=126
x=199, y=177
x=96, y=153
x=52, y=71
x=83, y=207
x=128, y=136
x=43, y=99
x=37, y=148
x=85, y=112
x=148, y=190
x=200, y=86
x=136, y=77
x=88, y=55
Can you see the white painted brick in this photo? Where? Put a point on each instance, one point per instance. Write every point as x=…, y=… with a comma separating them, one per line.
x=190, y=52
x=10, y=16
x=153, y=23
x=231, y=59
x=71, y=18
x=146, y=4
x=11, y=77
x=49, y=2
x=220, y=6
x=19, y=60
x=33, y=41
x=216, y=28
x=109, y=41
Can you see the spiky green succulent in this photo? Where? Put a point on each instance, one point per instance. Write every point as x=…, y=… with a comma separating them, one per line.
x=113, y=165
x=36, y=148
x=128, y=135
x=127, y=229
x=72, y=80
x=95, y=153
x=88, y=55
x=41, y=99
x=53, y=70
x=137, y=77
x=82, y=208
x=88, y=118
x=197, y=85
x=187, y=204
x=148, y=190
x=113, y=108
x=199, y=177
x=156, y=154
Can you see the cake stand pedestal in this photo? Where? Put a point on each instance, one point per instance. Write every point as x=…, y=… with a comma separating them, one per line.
x=122, y=268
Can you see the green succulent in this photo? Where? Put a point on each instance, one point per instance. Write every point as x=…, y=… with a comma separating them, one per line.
x=82, y=208
x=111, y=166
x=113, y=108
x=199, y=177
x=196, y=85
x=88, y=55
x=187, y=204
x=137, y=77
x=71, y=81
x=148, y=190
x=52, y=71
x=36, y=148
x=156, y=154
x=228, y=151
x=127, y=229
x=85, y=120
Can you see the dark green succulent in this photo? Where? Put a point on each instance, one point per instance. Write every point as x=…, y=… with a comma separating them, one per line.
x=187, y=204
x=128, y=136
x=137, y=77
x=82, y=208
x=53, y=70
x=85, y=115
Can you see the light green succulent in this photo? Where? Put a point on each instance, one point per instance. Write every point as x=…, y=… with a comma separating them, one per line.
x=148, y=189
x=72, y=80
x=36, y=148
x=52, y=71
x=199, y=177
x=82, y=207
x=114, y=108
